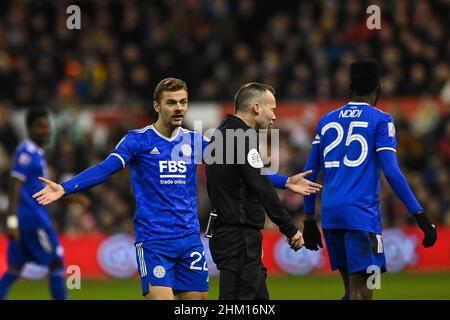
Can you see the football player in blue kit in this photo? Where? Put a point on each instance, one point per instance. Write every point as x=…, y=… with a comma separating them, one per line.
x=31, y=235
x=162, y=160
x=351, y=144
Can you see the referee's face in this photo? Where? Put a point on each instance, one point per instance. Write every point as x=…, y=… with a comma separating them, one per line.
x=172, y=108
x=266, y=116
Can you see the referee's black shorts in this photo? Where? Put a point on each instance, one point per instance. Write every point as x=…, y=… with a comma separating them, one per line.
x=237, y=252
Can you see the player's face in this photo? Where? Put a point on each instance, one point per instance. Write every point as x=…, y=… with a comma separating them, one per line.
x=172, y=107
x=40, y=131
x=266, y=116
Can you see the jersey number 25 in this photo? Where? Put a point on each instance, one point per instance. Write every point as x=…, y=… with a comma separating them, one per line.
x=350, y=138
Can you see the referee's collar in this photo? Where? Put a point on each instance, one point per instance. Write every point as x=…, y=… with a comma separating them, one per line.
x=239, y=121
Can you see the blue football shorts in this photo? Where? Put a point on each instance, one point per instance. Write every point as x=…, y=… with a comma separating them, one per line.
x=40, y=245
x=176, y=263
x=354, y=250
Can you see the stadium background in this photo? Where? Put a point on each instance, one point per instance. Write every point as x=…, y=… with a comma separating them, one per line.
x=99, y=81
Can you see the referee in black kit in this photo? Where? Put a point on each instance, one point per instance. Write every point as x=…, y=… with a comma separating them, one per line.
x=239, y=193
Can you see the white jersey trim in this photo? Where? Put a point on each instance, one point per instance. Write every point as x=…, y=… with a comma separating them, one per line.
x=359, y=103
x=331, y=164
x=175, y=134
x=386, y=148
x=120, y=158
x=142, y=130
x=19, y=176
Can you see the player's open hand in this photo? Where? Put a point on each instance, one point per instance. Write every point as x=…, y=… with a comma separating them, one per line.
x=298, y=184
x=52, y=192
x=296, y=242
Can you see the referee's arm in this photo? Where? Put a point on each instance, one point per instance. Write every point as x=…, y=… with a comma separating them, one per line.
x=269, y=199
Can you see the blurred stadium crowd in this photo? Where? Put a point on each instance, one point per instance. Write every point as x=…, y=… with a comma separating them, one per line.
x=302, y=48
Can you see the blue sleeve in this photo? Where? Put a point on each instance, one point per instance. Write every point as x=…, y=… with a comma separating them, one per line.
x=278, y=180
x=23, y=165
x=385, y=138
x=126, y=148
x=397, y=180
x=205, y=142
x=313, y=163
x=93, y=175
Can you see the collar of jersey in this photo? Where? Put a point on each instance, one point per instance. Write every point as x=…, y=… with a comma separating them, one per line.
x=175, y=133
x=238, y=120
x=359, y=103
x=33, y=146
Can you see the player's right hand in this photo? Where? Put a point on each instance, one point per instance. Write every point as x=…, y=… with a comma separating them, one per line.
x=52, y=192
x=296, y=242
x=428, y=229
x=312, y=236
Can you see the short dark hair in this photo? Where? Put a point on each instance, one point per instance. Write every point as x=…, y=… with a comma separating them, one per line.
x=34, y=114
x=168, y=84
x=364, y=77
x=248, y=91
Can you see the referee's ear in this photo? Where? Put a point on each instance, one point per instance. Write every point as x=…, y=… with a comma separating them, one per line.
x=256, y=108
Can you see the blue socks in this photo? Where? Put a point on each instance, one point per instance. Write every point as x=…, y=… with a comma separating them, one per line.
x=57, y=284
x=6, y=282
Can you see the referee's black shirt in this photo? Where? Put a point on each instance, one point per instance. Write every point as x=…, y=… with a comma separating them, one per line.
x=239, y=192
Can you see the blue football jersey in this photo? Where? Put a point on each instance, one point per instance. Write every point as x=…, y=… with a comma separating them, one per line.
x=345, y=149
x=164, y=180
x=28, y=165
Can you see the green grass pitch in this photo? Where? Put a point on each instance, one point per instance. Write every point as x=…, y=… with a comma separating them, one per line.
x=407, y=286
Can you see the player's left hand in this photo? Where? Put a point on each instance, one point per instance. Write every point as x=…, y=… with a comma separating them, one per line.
x=298, y=184
x=428, y=229
x=312, y=236
x=52, y=192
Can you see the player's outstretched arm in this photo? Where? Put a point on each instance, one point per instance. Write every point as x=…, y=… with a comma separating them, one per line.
x=398, y=183
x=86, y=179
x=311, y=232
x=298, y=184
x=51, y=192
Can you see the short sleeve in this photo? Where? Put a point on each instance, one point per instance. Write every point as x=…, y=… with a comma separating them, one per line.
x=205, y=142
x=125, y=150
x=385, y=136
x=22, y=166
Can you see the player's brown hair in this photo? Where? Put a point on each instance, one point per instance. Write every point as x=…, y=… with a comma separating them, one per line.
x=168, y=84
